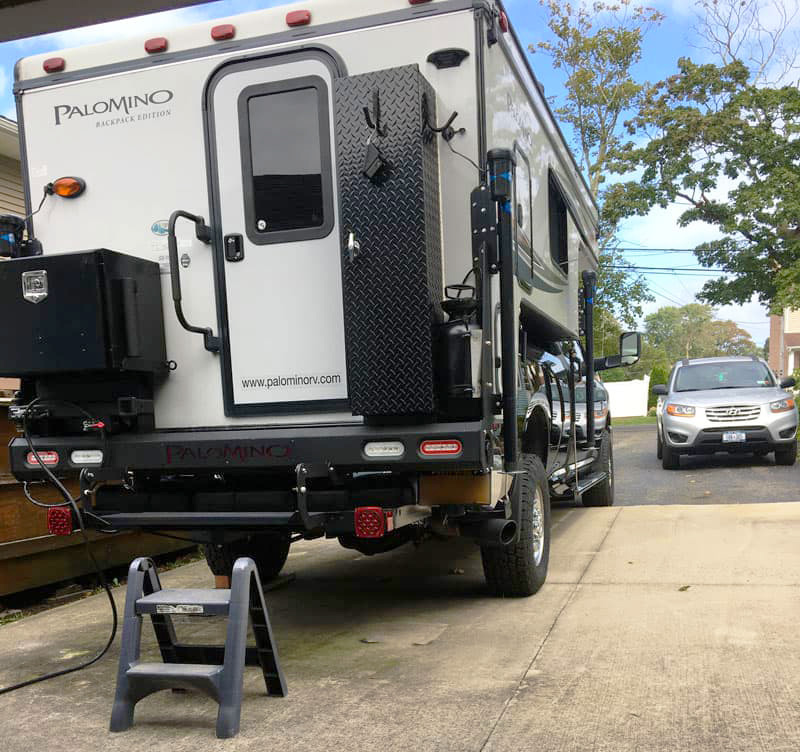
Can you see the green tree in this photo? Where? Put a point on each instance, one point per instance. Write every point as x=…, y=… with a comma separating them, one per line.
x=723, y=140
x=691, y=331
x=658, y=375
x=597, y=58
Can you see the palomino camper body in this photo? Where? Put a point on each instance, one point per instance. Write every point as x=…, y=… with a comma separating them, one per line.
x=324, y=211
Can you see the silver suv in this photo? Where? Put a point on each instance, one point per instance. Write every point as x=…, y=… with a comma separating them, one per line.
x=730, y=404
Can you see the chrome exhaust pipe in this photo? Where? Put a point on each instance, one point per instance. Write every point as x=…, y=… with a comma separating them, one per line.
x=495, y=531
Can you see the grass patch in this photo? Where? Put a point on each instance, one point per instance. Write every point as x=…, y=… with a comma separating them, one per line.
x=648, y=420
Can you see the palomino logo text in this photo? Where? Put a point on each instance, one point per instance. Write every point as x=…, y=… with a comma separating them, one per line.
x=122, y=105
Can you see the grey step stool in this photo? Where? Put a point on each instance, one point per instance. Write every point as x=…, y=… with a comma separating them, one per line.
x=217, y=671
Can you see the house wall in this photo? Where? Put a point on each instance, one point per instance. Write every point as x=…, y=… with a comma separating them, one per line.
x=11, y=196
x=784, y=342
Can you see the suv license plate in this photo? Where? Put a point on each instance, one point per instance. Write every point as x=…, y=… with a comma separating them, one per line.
x=731, y=436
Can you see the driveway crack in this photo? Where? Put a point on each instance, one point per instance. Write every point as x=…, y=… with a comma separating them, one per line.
x=550, y=629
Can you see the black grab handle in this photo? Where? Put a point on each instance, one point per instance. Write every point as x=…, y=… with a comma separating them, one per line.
x=203, y=232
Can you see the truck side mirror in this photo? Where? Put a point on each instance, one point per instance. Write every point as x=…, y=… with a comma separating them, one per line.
x=630, y=349
x=786, y=382
x=659, y=389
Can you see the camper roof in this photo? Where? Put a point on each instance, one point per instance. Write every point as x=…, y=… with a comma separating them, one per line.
x=261, y=23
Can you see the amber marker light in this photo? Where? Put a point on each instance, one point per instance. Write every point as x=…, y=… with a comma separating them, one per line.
x=69, y=187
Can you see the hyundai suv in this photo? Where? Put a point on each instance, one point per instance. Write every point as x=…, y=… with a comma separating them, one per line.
x=726, y=404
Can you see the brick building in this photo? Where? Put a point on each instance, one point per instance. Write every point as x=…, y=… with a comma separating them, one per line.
x=784, y=342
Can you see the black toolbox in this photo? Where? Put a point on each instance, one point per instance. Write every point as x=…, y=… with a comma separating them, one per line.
x=90, y=311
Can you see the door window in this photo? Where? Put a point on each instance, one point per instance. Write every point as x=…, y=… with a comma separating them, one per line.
x=286, y=161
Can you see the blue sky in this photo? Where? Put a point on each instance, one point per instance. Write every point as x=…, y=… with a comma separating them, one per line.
x=671, y=40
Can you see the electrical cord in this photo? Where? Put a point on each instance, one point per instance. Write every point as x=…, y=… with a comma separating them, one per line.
x=68, y=501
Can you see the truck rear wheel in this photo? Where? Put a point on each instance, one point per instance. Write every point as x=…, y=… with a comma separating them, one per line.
x=520, y=569
x=268, y=550
x=602, y=495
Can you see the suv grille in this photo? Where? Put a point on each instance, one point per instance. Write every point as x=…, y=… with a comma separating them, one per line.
x=729, y=413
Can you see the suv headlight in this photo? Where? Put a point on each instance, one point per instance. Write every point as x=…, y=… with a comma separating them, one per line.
x=680, y=411
x=782, y=406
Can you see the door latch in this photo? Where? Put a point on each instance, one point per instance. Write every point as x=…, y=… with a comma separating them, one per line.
x=234, y=247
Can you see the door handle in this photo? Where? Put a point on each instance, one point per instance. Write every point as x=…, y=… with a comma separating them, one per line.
x=203, y=233
x=353, y=246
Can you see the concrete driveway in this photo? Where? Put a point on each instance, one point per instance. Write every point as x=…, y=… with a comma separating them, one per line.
x=408, y=652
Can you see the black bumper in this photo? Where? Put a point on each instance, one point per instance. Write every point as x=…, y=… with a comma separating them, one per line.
x=709, y=441
x=260, y=450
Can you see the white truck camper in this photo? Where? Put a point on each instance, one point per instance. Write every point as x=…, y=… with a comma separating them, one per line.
x=319, y=270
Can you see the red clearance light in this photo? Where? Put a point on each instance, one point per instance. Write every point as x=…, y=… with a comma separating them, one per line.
x=59, y=521
x=223, y=31
x=47, y=457
x=417, y=2
x=54, y=64
x=370, y=522
x=503, y=22
x=440, y=447
x=156, y=44
x=298, y=18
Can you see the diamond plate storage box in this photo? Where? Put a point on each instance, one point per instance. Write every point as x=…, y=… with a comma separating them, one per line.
x=392, y=265
x=76, y=312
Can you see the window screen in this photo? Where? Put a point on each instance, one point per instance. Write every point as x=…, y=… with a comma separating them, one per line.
x=288, y=162
x=557, y=206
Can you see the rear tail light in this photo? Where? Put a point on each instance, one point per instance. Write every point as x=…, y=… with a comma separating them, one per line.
x=503, y=22
x=47, y=457
x=384, y=449
x=298, y=18
x=440, y=448
x=86, y=457
x=59, y=521
x=370, y=522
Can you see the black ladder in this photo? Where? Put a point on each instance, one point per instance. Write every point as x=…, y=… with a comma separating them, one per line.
x=215, y=670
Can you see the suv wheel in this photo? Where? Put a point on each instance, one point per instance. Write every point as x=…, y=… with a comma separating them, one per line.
x=659, y=445
x=787, y=455
x=670, y=459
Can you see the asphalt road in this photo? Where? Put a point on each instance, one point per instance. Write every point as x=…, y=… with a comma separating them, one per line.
x=716, y=479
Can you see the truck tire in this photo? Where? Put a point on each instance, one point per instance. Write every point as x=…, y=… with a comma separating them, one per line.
x=520, y=569
x=602, y=495
x=670, y=459
x=659, y=445
x=786, y=456
x=268, y=550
